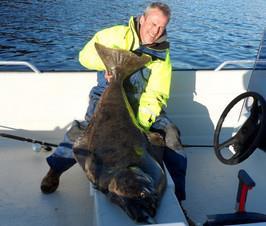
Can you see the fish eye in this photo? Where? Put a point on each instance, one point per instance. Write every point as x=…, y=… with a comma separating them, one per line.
x=143, y=194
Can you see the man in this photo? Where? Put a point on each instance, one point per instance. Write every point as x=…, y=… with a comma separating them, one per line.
x=147, y=91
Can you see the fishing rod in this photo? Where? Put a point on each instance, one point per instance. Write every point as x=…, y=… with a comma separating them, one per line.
x=197, y=146
x=48, y=146
x=45, y=145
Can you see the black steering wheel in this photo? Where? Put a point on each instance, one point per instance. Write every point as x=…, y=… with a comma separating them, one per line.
x=248, y=137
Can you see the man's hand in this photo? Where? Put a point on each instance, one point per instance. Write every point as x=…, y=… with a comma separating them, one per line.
x=108, y=76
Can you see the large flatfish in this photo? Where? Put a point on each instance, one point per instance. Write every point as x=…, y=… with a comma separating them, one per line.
x=114, y=151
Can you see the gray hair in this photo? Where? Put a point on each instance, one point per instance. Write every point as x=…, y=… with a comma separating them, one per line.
x=161, y=6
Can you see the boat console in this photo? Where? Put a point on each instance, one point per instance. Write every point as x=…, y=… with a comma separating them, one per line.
x=248, y=136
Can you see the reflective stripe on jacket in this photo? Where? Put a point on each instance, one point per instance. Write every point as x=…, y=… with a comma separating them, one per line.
x=153, y=97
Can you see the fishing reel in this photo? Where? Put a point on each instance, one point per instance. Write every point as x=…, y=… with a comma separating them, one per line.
x=37, y=147
x=248, y=135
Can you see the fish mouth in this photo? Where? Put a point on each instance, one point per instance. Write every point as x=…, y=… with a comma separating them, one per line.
x=134, y=191
x=141, y=210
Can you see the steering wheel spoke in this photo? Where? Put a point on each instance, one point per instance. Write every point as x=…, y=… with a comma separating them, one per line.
x=226, y=143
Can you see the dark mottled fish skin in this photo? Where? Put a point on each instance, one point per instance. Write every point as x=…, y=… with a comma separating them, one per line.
x=114, y=151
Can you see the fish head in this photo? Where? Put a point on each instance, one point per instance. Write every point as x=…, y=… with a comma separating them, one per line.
x=140, y=210
x=132, y=182
x=135, y=192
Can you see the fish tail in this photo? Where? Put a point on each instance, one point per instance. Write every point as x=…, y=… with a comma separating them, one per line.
x=121, y=63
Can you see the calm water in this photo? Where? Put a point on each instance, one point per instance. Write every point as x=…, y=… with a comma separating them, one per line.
x=202, y=33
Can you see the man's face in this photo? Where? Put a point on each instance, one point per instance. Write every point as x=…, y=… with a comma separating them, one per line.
x=152, y=26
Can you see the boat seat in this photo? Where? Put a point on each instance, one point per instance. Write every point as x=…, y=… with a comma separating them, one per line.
x=168, y=213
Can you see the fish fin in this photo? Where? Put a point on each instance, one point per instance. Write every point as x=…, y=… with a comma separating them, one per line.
x=81, y=155
x=80, y=149
x=121, y=62
x=81, y=143
x=156, y=147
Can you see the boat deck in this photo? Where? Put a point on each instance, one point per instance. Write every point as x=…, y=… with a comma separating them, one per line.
x=22, y=202
x=211, y=187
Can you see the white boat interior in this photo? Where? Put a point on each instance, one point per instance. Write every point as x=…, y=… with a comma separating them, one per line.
x=42, y=105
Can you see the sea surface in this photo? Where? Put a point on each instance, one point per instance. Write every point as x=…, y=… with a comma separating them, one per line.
x=203, y=33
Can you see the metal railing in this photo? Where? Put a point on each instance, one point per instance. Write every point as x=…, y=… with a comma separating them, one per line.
x=221, y=66
x=237, y=62
x=21, y=63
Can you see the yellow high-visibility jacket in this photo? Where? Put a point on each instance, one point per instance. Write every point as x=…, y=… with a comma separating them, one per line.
x=156, y=93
